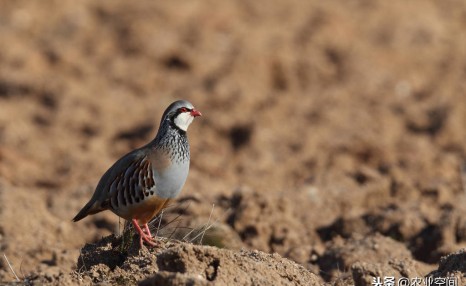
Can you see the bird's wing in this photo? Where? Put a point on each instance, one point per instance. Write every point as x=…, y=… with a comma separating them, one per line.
x=129, y=182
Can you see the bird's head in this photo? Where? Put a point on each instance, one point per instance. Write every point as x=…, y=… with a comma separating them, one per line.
x=180, y=114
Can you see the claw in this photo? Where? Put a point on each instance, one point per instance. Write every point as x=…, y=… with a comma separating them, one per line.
x=142, y=235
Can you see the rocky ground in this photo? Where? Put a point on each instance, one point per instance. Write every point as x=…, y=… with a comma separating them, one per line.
x=331, y=150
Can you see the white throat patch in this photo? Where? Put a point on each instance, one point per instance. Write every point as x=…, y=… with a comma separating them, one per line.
x=183, y=120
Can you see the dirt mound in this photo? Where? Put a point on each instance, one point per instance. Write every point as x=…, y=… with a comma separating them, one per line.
x=367, y=258
x=428, y=234
x=176, y=263
x=451, y=267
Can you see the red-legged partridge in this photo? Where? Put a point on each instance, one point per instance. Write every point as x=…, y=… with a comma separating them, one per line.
x=141, y=183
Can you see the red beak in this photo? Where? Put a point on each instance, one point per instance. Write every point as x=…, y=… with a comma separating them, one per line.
x=195, y=113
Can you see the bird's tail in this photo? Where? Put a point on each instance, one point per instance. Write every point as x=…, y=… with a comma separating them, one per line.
x=88, y=209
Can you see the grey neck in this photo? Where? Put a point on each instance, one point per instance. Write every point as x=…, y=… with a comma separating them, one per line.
x=172, y=140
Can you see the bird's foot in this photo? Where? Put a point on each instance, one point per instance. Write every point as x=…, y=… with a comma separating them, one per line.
x=142, y=235
x=146, y=228
x=149, y=240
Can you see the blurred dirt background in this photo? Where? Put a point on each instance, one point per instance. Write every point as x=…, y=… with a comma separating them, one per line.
x=333, y=133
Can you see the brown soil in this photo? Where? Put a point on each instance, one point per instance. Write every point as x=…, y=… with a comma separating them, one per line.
x=331, y=150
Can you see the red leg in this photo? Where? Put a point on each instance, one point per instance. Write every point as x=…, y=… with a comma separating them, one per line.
x=142, y=235
x=146, y=228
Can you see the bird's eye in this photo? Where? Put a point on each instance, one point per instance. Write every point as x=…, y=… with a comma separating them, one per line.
x=183, y=109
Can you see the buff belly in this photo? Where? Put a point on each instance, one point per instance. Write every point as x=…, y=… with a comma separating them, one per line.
x=143, y=211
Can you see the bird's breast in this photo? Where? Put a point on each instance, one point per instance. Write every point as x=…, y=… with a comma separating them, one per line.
x=170, y=181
